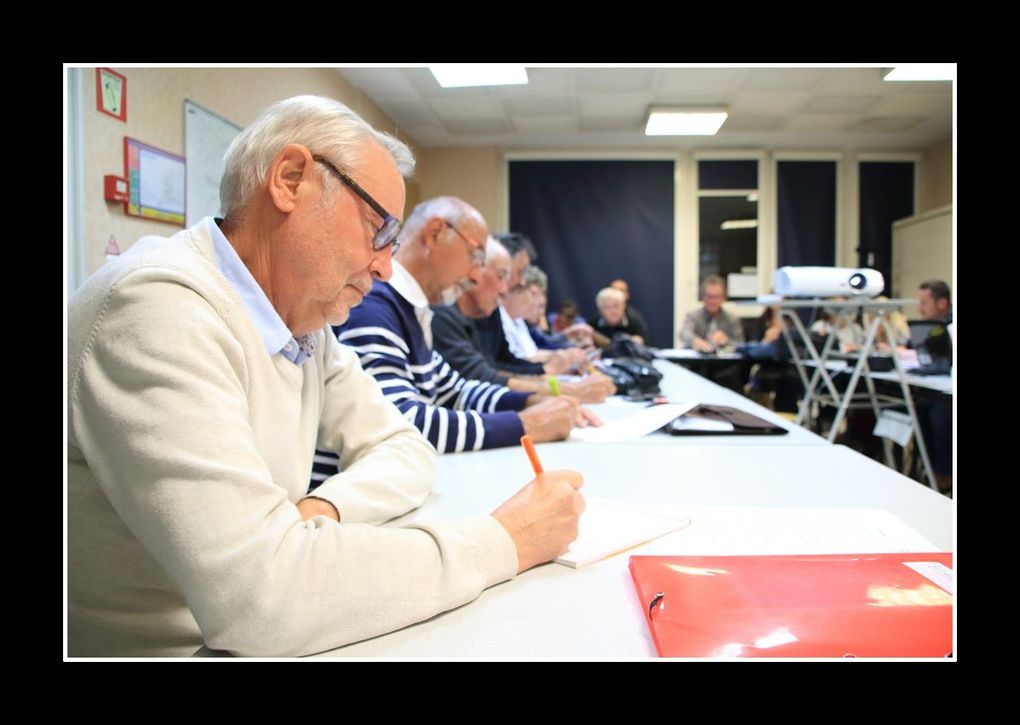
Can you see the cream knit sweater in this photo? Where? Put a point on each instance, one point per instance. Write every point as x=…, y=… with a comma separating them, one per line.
x=188, y=446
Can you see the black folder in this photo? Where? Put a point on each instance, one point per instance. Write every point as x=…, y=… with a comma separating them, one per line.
x=743, y=422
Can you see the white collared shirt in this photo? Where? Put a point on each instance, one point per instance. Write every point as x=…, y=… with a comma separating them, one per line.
x=408, y=288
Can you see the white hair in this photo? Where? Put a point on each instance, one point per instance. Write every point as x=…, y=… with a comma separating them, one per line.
x=495, y=248
x=322, y=125
x=535, y=276
x=610, y=293
x=453, y=210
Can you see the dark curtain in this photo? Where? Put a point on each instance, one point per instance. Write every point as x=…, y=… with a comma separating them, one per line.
x=886, y=194
x=595, y=221
x=806, y=213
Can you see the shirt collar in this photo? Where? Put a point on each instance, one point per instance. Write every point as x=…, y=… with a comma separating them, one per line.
x=405, y=285
x=271, y=328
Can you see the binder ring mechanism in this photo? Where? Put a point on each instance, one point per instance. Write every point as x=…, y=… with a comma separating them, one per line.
x=653, y=607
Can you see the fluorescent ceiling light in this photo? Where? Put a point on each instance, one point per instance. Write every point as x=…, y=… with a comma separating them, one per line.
x=921, y=72
x=739, y=224
x=482, y=74
x=684, y=121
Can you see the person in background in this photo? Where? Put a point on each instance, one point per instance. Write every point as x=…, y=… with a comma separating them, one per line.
x=519, y=304
x=935, y=414
x=201, y=377
x=897, y=321
x=631, y=312
x=612, y=319
x=831, y=321
x=567, y=321
x=710, y=327
x=456, y=339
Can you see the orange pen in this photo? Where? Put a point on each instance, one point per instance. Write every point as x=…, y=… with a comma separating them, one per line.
x=529, y=448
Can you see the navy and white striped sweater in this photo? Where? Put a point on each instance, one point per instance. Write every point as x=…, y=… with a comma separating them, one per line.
x=453, y=413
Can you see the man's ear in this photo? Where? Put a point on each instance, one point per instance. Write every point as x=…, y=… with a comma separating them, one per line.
x=290, y=168
x=433, y=228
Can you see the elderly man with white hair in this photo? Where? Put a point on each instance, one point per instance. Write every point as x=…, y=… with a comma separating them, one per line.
x=201, y=378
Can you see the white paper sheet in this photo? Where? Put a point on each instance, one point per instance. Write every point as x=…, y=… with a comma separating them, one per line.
x=752, y=531
x=608, y=527
x=641, y=422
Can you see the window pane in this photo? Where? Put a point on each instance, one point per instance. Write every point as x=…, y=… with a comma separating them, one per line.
x=728, y=174
x=731, y=250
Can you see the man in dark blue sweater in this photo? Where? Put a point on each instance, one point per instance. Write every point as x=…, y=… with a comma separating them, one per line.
x=441, y=255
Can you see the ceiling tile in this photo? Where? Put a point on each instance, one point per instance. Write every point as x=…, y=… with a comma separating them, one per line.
x=913, y=105
x=839, y=104
x=751, y=123
x=783, y=79
x=476, y=127
x=613, y=80
x=529, y=124
x=820, y=122
x=769, y=104
x=882, y=125
x=700, y=81
x=626, y=123
x=467, y=109
x=854, y=82
x=539, y=106
x=629, y=105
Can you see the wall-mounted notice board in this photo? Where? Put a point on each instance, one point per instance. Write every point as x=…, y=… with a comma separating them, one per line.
x=155, y=181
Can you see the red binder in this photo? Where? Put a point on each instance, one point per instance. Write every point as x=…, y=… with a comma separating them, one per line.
x=828, y=605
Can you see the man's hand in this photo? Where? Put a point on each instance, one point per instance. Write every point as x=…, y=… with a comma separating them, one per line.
x=311, y=506
x=593, y=389
x=542, y=518
x=718, y=338
x=550, y=419
x=702, y=345
x=566, y=360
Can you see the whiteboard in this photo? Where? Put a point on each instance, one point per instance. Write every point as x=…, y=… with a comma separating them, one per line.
x=206, y=139
x=922, y=249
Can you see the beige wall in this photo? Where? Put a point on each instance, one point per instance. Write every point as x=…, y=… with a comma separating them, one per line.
x=155, y=115
x=936, y=176
x=474, y=174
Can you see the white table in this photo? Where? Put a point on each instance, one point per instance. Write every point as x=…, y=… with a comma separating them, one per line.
x=556, y=612
x=681, y=385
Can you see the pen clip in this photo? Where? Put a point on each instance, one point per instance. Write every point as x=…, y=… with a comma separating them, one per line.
x=654, y=606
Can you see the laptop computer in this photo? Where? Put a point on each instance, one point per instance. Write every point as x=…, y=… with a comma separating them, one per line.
x=919, y=330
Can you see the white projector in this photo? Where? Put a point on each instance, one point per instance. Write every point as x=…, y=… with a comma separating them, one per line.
x=827, y=282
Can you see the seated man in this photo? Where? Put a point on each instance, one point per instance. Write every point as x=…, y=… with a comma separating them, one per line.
x=612, y=319
x=631, y=312
x=201, y=379
x=457, y=341
x=519, y=305
x=490, y=330
x=391, y=331
x=710, y=327
x=935, y=415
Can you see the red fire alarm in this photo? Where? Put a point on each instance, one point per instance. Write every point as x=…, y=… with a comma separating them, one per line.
x=115, y=188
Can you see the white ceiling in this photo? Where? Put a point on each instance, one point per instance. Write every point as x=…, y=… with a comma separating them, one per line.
x=606, y=108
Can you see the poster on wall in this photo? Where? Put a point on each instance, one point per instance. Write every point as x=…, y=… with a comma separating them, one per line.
x=207, y=136
x=155, y=181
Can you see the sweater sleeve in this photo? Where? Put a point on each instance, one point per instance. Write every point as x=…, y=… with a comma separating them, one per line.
x=158, y=406
x=689, y=330
x=453, y=342
x=453, y=413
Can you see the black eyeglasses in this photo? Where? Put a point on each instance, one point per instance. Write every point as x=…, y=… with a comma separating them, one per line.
x=390, y=229
x=477, y=250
